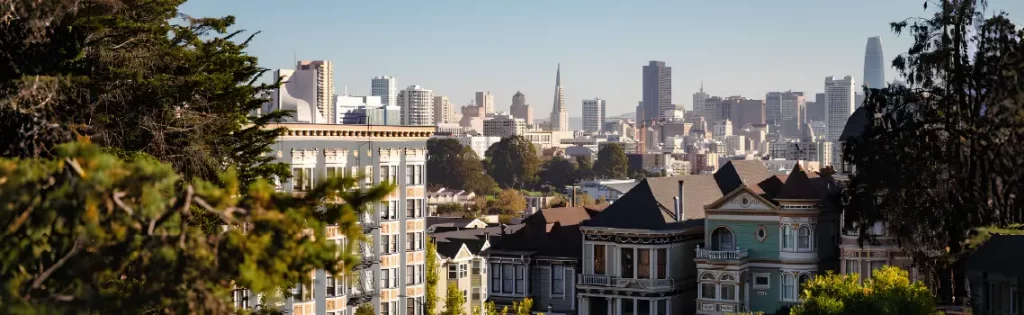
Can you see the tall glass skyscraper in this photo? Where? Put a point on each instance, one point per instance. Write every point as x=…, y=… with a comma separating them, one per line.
x=874, y=64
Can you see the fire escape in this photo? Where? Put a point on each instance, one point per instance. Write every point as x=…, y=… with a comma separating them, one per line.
x=364, y=287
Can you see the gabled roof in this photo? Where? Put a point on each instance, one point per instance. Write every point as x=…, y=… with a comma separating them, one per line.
x=741, y=172
x=449, y=249
x=996, y=255
x=698, y=191
x=739, y=190
x=799, y=186
x=856, y=124
x=637, y=209
x=553, y=232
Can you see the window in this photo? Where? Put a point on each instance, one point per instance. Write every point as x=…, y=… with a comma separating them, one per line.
x=626, y=262
x=389, y=210
x=330, y=285
x=453, y=271
x=384, y=279
x=644, y=266
x=788, y=287
x=465, y=296
x=394, y=243
x=410, y=175
x=410, y=306
x=728, y=292
x=852, y=267
x=599, y=259
x=803, y=238
x=303, y=178
x=627, y=307
x=476, y=267
x=463, y=270
x=507, y=280
x=410, y=241
x=662, y=263
x=787, y=237
x=410, y=274
x=385, y=243
x=803, y=279
x=495, y=278
x=762, y=281
x=707, y=290
x=241, y=297
x=643, y=307
x=476, y=294
x=557, y=279
x=333, y=171
x=722, y=239
x=662, y=306
x=520, y=279
x=385, y=173
x=384, y=308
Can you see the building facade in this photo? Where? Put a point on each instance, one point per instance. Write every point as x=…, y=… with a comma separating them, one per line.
x=417, y=106
x=444, y=112
x=874, y=63
x=657, y=90
x=460, y=263
x=520, y=109
x=386, y=87
x=699, y=100
x=486, y=101
x=308, y=90
x=593, y=115
x=504, y=125
x=839, y=105
x=391, y=275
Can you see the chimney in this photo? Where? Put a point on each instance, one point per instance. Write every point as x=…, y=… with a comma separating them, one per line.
x=680, y=210
x=487, y=236
x=675, y=202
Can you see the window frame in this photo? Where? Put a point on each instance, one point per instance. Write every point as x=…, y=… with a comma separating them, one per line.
x=453, y=271
x=557, y=280
x=598, y=260
x=801, y=238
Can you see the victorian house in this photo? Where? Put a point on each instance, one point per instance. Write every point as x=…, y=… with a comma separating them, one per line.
x=540, y=261
x=763, y=239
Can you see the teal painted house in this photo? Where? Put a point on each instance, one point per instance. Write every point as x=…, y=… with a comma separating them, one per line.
x=761, y=240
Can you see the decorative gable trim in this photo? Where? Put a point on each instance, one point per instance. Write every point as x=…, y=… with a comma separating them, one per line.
x=736, y=192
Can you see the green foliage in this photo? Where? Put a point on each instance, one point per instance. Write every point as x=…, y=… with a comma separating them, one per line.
x=88, y=232
x=367, y=309
x=558, y=173
x=432, y=277
x=584, y=167
x=450, y=208
x=139, y=77
x=523, y=307
x=889, y=292
x=455, y=301
x=984, y=233
x=940, y=156
x=611, y=162
x=456, y=166
x=513, y=162
x=509, y=201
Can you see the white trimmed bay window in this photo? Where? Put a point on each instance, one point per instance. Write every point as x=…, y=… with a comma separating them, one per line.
x=798, y=238
x=507, y=278
x=792, y=282
x=723, y=288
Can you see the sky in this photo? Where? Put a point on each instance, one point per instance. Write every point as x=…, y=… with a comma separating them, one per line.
x=456, y=48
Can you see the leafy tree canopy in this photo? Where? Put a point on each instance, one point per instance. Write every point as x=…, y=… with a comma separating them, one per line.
x=87, y=231
x=513, y=162
x=366, y=309
x=432, y=277
x=456, y=166
x=558, y=172
x=611, y=162
x=888, y=292
x=455, y=301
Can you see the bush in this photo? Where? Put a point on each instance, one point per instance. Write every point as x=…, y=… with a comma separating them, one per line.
x=888, y=292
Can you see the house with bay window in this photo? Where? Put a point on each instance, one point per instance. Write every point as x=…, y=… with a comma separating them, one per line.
x=540, y=261
x=763, y=239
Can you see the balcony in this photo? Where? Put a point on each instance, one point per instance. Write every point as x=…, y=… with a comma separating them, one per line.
x=601, y=280
x=609, y=281
x=369, y=223
x=722, y=255
x=719, y=307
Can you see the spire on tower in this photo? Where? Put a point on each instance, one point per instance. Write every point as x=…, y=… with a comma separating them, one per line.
x=702, y=86
x=558, y=75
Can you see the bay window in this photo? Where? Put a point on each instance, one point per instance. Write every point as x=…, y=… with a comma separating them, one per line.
x=557, y=279
x=788, y=287
x=520, y=279
x=803, y=238
x=787, y=237
x=728, y=292
x=599, y=257
x=662, y=263
x=644, y=266
x=626, y=263
x=507, y=279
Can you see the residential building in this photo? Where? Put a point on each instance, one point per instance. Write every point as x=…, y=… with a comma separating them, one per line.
x=784, y=167
x=520, y=109
x=699, y=99
x=817, y=151
x=765, y=237
x=657, y=90
x=460, y=263
x=417, y=106
x=386, y=87
x=479, y=144
x=444, y=112
x=702, y=162
x=486, y=101
x=393, y=249
x=593, y=115
x=365, y=110
x=722, y=128
x=559, y=118
x=874, y=64
x=995, y=282
x=504, y=125
x=540, y=261
x=445, y=196
x=307, y=90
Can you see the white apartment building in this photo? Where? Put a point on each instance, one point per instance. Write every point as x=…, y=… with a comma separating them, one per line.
x=417, y=106
x=479, y=144
x=840, y=102
x=308, y=90
x=391, y=275
x=486, y=101
x=444, y=112
x=722, y=128
x=593, y=115
x=504, y=125
x=386, y=87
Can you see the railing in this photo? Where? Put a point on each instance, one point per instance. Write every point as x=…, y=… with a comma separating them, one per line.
x=369, y=222
x=595, y=280
x=736, y=254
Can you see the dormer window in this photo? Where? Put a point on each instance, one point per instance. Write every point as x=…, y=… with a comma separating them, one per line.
x=723, y=239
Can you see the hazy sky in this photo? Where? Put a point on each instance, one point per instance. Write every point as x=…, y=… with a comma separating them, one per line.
x=458, y=47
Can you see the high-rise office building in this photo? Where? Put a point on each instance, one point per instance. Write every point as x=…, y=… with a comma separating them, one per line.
x=485, y=100
x=699, y=99
x=593, y=115
x=520, y=109
x=308, y=90
x=387, y=88
x=444, y=112
x=657, y=89
x=874, y=64
x=391, y=274
x=741, y=112
x=782, y=109
x=504, y=125
x=417, y=106
x=559, y=117
x=839, y=105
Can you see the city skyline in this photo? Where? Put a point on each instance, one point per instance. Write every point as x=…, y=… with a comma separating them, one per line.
x=508, y=55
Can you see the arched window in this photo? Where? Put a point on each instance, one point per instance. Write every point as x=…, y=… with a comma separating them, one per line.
x=803, y=279
x=787, y=237
x=788, y=287
x=723, y=239
x=803, y=237
x=707, y=276
x=728, y=277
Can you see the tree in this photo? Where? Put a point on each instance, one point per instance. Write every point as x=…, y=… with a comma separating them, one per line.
x=457, y=166
x=584, y=167
x=513, y=162
x=611, y=162
x=523, y=307
x=558, y=172
x=940, y=156
x=137, y=77
x=432, y=277
x=450, y=208
x=888, y=292
x=455, y=301
x=88, y=232
x=366, y=309
x=509, y=201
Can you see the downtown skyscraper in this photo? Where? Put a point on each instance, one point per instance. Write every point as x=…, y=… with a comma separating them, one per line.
x=657, y=89
x=874, y=64
x=594, y=114
x=559, y=117
x=387, y=88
